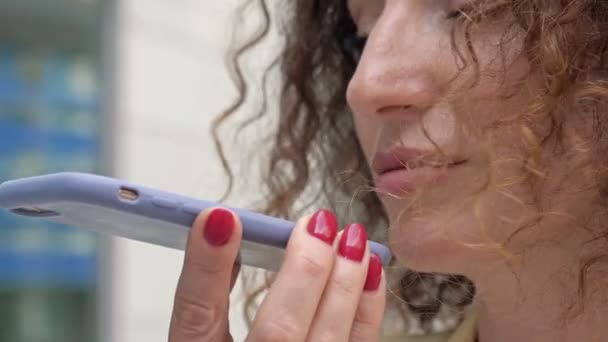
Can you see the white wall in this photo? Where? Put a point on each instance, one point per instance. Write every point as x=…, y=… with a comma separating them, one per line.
x=171, y=82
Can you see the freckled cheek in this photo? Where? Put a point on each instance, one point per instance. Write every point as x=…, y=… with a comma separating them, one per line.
x=501, y=75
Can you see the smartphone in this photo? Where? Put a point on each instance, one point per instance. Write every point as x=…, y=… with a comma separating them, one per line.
x=111, y=206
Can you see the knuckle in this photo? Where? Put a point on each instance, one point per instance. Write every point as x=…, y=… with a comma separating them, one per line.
x=362, y=331
x=197, y=318
x=278, y=330
x=327, y=336
x=192, y=264
x=366, y=320
x=310, y=266
x=366, y=317
x=346, y=286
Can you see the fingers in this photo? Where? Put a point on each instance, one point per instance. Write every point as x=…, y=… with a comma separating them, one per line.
x=336, y=313
x=328, y=289
x=289, y=308
x=370, y=312
x=236, y=269
x=201, y=300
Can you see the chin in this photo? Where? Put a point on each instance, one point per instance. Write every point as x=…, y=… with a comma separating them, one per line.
x=433, y=242
x=448, y=228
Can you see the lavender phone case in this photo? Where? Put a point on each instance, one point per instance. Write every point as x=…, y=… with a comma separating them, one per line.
x=111, y=206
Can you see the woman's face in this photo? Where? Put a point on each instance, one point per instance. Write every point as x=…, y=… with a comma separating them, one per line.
x=429, y=131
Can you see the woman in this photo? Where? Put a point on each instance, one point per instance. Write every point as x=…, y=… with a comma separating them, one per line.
x=475, y=130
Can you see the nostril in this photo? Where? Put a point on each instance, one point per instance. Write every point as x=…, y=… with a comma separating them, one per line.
x=392, y=109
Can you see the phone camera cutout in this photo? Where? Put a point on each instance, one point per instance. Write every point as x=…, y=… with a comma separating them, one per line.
x=128, y=195
x=34, y=212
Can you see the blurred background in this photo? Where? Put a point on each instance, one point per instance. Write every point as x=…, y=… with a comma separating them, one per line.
x=125, y=88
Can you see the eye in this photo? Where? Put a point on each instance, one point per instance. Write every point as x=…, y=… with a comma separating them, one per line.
x=353, y=46
x=458, y=8
x=455, y=14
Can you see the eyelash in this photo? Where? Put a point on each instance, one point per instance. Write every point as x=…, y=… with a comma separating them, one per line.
x=454, y=14
x=354, y=45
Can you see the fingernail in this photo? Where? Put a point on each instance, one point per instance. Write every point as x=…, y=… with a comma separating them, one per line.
x=323, y=225
x=374, y=273
x=219, y=227
x=353, y=242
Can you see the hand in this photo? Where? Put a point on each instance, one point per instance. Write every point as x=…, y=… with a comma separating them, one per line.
x=329, y=287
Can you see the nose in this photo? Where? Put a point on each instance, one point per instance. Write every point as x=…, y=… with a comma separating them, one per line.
x=377, y=90
x=398, y=71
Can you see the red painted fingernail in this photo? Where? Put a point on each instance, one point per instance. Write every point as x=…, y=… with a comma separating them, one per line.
x=324, y=226
x=353, y=242
x=219, y=227
x=374, y=273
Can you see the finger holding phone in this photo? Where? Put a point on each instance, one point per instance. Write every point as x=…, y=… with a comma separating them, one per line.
x=330, y=286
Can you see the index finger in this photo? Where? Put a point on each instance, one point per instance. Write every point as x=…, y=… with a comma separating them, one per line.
x=201, y=301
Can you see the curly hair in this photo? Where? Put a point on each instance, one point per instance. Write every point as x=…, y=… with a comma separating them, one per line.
x=313, y=155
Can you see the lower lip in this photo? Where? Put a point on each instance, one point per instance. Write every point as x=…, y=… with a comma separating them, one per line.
x=403, y=181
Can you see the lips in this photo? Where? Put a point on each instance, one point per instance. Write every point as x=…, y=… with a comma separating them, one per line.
x=399, y=169
x=402, y=158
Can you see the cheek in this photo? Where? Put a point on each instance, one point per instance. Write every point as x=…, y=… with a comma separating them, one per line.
x=499, y=66
x=501, y=95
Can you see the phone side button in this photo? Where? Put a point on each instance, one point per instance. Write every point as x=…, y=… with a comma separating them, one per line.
x=164, y=203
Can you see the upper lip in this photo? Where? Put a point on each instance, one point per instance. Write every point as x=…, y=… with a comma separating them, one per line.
x=406, y=158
